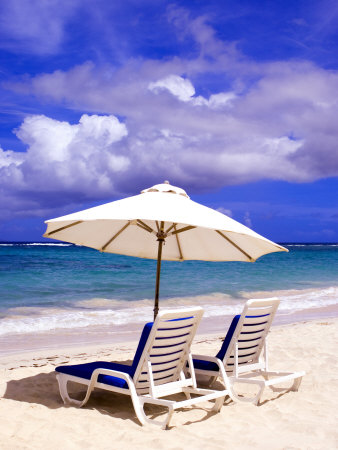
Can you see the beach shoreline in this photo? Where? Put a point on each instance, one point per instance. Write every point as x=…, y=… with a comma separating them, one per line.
x=22, y=343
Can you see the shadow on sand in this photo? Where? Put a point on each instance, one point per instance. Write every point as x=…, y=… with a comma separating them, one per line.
x=43, y=389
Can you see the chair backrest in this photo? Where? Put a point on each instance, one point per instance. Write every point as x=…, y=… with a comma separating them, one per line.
x=249, y=331
x=167, y=351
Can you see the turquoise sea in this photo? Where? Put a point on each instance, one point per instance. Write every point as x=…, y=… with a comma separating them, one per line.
x=45, y=287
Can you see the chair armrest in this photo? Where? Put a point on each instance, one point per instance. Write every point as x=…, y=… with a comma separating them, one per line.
x=114, y=373
x=207, y=358
x=213, y=359
x=220, y=368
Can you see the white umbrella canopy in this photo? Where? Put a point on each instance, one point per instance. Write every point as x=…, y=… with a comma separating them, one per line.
x=140, y=225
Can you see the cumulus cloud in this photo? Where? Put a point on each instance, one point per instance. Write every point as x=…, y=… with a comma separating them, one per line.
x=282, y=127
x=63, y=160
x=221, y=100
x=183, y=89
x=176, y=85
x=8, y=158
x=274, y=120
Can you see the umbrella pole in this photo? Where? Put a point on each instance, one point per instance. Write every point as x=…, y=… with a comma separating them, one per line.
x=158, y=274
x=160, y=237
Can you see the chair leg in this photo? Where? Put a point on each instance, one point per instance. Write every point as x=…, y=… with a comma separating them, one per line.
x=218, y=404
x=255, y=400
x=63, y=381
x=212, y=381
x=138, y=407
x=296, y=384
x=144, y=419
x=168, y=419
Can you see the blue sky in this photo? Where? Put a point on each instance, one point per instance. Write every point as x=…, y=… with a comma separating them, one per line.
x=235, y=101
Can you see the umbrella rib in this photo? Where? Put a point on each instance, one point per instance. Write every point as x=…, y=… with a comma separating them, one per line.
x=62, y=228
x=190, y=227
x=178, y=243
x=144, y=226
x=115, y=236
x=235, y=245
x=170, y=228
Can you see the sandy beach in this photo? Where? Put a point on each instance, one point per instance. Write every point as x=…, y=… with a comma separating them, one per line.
x=32, y=414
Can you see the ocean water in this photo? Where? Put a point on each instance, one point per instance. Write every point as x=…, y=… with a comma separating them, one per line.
x=47, y=287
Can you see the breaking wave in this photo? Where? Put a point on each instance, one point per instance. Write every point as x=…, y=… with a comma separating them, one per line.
x=100, y=312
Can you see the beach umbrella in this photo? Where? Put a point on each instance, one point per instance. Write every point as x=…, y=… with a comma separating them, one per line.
x=161, y=223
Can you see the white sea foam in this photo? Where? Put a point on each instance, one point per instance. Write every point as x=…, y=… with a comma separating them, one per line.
x=71, y=319
x=297, y=300
x=310, y=245
x=103, y=312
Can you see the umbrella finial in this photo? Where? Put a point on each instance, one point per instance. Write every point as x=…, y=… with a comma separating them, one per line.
x=165, y=187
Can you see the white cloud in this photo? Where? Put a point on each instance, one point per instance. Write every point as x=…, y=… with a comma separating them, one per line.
x=221, y=100
x=176, y=85
x=35, y=26
x=52, y=141
x=9, y=158
x=183, y=89
x=272, y=121
x=225, y=211
x=64, y=159
x=247, y=219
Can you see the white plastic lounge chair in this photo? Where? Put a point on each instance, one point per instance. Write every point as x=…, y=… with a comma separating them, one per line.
x=157, y=369
x=243, y=357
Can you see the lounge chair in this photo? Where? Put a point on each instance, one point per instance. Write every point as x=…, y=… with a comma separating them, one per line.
x=157, y=369
x=243, y=357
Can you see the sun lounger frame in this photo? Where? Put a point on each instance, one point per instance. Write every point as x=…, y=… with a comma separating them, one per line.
x=155, y=389
x=237, y=367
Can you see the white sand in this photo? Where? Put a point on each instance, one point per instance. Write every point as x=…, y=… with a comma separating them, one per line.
x=32, y=415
